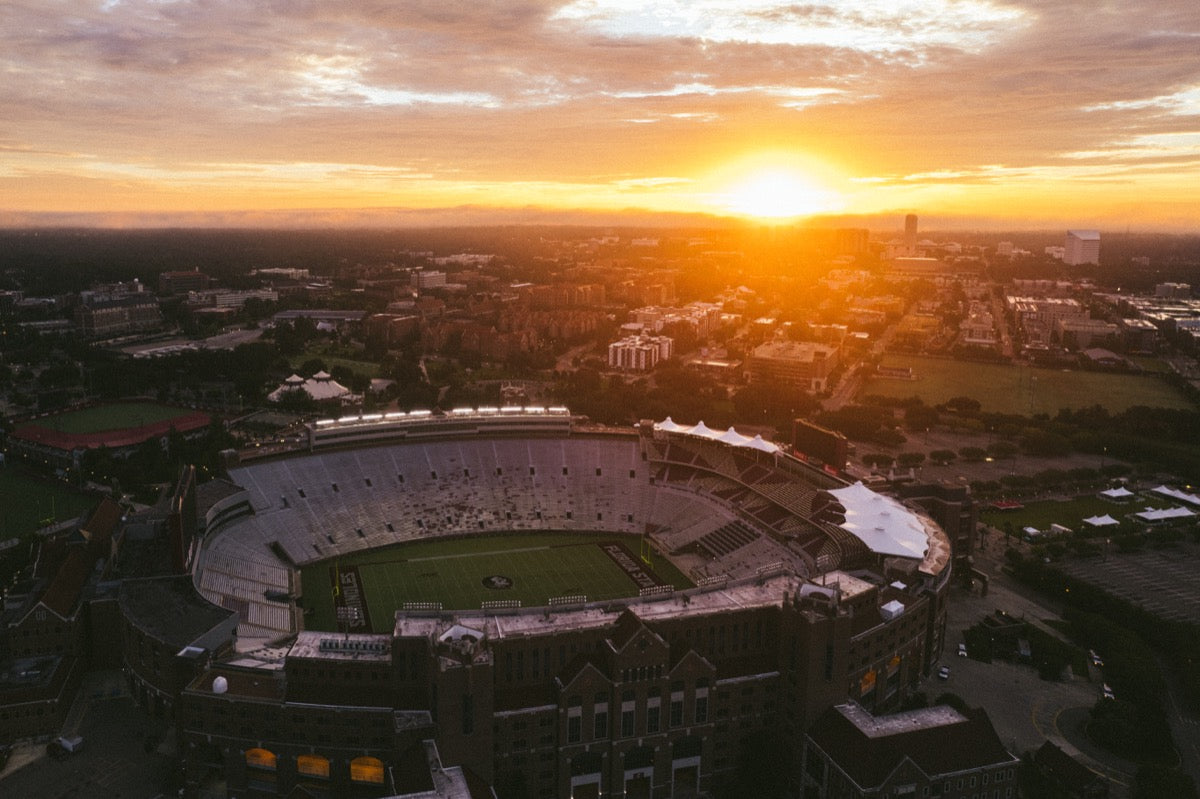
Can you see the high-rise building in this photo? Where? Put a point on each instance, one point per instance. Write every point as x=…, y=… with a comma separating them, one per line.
x=1082, y=247
x=910, y=234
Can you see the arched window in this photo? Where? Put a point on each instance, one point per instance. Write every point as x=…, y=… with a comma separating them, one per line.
x=366, y=769
x=260, y=758
x=313, y=766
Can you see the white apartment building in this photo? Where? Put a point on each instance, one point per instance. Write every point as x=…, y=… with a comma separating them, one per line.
x=639, y=353
x=1082, y=247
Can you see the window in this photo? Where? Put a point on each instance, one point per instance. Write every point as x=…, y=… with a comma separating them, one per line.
x=366, y=769
x=468, y=715
x=574, y=728
x=677, y=710
x=653, y=715
x=600, y=725
x=627, y=722
x=261, y=758
x=313, y=766
x=701, y=708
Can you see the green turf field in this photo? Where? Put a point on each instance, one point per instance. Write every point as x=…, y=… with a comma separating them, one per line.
x=1022, y=389
x=452, y=571
x=1071, y=513
x=114, y=416
x=26, y=502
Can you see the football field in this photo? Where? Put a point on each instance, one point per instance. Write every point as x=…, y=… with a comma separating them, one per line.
x=463, y=573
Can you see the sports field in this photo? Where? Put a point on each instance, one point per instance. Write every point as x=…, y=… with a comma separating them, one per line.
x=1022, y=389
x=463, y=573
x=114, y=416
x=28, y=503
x=1071, y=513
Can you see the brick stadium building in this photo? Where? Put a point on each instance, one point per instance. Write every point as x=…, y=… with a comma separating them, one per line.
x=808, y=592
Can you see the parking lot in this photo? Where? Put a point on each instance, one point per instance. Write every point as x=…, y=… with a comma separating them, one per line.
x=114, y=761
x=1163, y=581
x=1025, y=709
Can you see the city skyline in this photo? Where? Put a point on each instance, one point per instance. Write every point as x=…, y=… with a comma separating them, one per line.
x=976, y=113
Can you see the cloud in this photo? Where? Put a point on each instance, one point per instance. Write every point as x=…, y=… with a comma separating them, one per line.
x=906, y=93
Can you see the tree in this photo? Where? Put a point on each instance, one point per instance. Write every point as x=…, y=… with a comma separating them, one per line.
x=920, y=417
x=1002, y=449
x=942, y=456
x=877, y=460
x=973, y=453
x=1154, y=782
x=910, y=459
x=962, y=405
x=953, y=700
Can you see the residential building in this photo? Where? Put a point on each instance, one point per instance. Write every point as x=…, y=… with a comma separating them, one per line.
x=639, y=353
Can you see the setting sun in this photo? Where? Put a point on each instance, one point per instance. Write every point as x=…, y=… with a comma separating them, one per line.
x=777, y=194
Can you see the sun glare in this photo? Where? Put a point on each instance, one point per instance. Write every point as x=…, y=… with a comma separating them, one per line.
x=777, y=194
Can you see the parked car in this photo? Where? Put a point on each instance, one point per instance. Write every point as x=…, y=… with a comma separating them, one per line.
x=962, y=650
x=64, y=746
x=944, y=673
x=1107, y=691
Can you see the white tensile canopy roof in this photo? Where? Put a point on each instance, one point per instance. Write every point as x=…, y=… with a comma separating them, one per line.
x=731, y=437
x=882, y=523
x=1100, y=521
x=1165, y=491
x=1150, y=515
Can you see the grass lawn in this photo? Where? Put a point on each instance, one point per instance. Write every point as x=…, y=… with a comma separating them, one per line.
x=112, y=416
x=1071, y=513
x=27, y=501
x=368, y=369
x=453, y=571
x=1023, y=389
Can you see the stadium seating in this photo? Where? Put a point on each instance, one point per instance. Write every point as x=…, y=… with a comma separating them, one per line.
x=723, y=512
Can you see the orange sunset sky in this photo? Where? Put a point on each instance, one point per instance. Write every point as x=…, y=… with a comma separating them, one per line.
x=1029, y=113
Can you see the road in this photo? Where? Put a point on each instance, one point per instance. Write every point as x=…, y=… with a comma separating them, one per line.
x=1025, y=709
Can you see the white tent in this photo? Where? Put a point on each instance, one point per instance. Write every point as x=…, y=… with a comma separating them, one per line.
x=1118, y=494
x=1100, y=521
x=1170, y=514
x=1175, y=494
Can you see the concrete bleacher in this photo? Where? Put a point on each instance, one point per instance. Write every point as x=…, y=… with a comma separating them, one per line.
x=726, y=539
x=316, y=507
x=729, y=512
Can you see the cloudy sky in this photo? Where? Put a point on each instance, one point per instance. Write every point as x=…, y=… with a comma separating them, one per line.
x=1050, y=112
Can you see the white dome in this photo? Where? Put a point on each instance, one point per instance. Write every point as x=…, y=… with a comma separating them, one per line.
x=220, y=685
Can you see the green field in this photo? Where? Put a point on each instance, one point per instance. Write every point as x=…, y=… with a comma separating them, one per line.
x=1023, y=389
x=1071, y=513
x=114, y=416
x=26, y=502
x=452, y=571
x=366, y=368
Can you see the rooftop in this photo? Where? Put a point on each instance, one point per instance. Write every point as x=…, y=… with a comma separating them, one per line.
x=751, y=593
x=170, y=609
x=343, y=646
x=938, y=740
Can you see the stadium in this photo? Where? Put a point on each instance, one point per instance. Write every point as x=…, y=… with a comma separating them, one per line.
x=59, y=440
x=542, y=606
